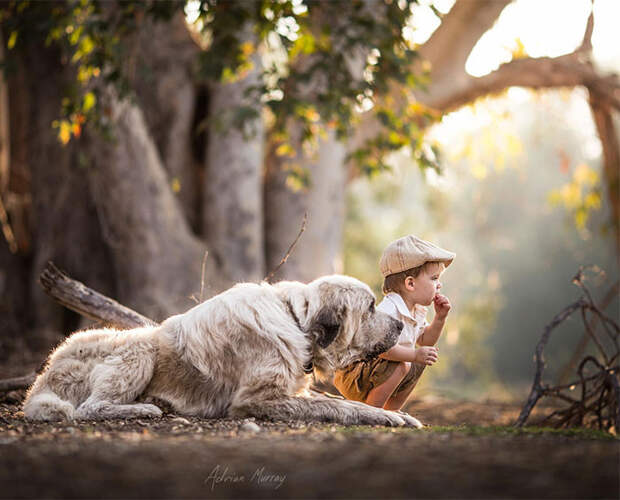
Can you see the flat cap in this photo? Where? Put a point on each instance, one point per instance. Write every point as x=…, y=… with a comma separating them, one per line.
x=410, y=251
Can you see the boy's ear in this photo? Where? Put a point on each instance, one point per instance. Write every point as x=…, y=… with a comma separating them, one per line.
x=409, y=283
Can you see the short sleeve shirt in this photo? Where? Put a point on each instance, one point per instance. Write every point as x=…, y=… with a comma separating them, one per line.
x=415, y=323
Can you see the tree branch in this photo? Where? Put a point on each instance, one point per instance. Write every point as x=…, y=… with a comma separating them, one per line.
x=450, y=45
x=79, y=298
x=604, y=121
x=537, y=73
x=12, y=384
x=586, y=44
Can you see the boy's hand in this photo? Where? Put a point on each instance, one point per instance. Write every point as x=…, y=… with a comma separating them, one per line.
x=442, y=306
x=426, y=355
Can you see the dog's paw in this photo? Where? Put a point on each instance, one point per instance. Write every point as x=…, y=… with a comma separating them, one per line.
x=409, y=420
x=377, y=416
x=146, y=410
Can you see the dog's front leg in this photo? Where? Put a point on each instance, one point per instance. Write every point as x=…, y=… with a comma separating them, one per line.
x=321, y=409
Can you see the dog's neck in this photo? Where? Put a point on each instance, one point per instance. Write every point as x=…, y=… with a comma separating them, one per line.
x=309, y=366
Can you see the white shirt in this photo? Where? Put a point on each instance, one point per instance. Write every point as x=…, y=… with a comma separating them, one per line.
x=394, y=305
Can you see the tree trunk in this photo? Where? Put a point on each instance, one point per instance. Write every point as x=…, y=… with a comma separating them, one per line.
x=164, y=83
x=232, y=210
x=319, y=249
x=64, y=223
x=607, y=123
x=157, y=261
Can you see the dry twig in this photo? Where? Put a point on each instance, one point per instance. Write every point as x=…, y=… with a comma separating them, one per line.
x=290, y=249
x=599, y=401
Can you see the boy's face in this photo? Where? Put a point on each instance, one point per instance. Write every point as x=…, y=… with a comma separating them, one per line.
x=422, y=289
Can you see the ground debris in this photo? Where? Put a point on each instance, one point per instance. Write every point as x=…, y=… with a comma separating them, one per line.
x=176, y=456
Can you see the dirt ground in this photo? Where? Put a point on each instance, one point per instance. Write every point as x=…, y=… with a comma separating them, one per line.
x=176, y=457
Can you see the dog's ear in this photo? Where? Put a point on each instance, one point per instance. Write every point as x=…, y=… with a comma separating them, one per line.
x=327, y=326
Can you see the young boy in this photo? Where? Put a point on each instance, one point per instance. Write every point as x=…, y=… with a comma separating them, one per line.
x=411, y=268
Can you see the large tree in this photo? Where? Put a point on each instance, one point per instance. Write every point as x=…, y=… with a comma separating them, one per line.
x=179, y=140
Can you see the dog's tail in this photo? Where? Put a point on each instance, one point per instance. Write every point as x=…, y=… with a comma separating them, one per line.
x=47, y=405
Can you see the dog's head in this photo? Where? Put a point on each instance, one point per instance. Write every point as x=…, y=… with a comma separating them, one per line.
x=343, y=324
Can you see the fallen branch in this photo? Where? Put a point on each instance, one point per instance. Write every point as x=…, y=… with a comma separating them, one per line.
x=85, y=301
x=599, y=403
x=583, y=343
x=12, y=384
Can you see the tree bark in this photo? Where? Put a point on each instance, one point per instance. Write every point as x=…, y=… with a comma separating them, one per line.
x=232, y=210
x=540, y=73
x=76, y=296
x=165, y=86
x=318, y=251
x=64, y=223
x=5, y=140
x=607, y=122
x=157, y=261
x=449, y=46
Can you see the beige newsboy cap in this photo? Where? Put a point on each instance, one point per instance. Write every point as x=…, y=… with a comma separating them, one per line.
x=410, y=251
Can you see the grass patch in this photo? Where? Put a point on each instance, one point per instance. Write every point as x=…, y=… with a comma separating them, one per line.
x=476, y=430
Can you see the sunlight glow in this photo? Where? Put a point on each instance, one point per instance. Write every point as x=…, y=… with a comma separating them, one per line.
x=424, y=21
x=548, y=28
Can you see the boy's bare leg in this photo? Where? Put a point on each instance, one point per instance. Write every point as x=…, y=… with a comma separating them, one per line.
x=396, y=401
x=380, y=394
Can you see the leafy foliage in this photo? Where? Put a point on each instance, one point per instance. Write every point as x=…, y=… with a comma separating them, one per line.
x=580, y=196
x=90, y=36
x=335, y=60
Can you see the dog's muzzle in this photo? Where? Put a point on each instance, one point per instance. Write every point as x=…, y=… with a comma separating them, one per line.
x=388, y=341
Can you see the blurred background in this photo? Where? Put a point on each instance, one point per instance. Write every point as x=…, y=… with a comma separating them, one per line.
x=139, y=140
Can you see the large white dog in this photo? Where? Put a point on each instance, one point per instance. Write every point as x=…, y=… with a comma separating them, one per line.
x=246, y=352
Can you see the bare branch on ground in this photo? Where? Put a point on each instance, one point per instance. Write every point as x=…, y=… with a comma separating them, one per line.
x=78, y=297
x=85, y=301
x=599, y=402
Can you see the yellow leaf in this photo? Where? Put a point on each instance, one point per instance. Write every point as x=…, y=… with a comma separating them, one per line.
x=176, y=185
x=12, y=40
x=312, y=115
x=285, y=150
x=581, y=217
x=89, y=101
x=247, y=49
x=519, y=51
x=571, y=194
x=585, y=175
x=64, y=134
x=592, y=201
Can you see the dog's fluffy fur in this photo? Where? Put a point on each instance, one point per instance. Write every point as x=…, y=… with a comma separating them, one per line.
x=239, y=354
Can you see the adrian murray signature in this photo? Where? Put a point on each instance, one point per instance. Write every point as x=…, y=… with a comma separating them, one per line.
x=223, y=475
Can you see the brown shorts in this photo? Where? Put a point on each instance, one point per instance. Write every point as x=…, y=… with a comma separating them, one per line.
x=358, y=379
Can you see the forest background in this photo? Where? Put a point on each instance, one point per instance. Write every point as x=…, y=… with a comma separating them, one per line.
x=136, y=136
